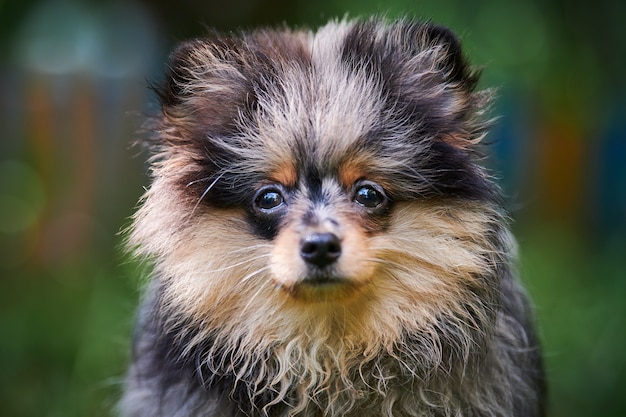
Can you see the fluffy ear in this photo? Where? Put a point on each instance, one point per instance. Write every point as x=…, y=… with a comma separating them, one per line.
x=178, y=73
x=204, y=79
x=199, y=97
x=437, y=86
x=437, y=54
x=426, y=78
x=218, y=78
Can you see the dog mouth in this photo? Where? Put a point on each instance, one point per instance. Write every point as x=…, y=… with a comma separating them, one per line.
x=323, y=286
x=323, y=279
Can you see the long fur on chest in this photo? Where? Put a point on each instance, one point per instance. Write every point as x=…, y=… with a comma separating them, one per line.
x=364, y=133
x=448, y=369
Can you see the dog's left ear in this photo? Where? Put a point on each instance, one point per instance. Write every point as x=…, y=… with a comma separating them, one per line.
x=437, y=87
x=427, y=80
x=438, y=52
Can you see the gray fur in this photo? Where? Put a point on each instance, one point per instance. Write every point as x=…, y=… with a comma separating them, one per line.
x=442, y=326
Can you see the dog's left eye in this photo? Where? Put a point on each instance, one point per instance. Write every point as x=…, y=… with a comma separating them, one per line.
x=269, y=199
x=370, y=196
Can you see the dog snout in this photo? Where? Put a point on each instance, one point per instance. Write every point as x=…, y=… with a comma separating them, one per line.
x=320, y=249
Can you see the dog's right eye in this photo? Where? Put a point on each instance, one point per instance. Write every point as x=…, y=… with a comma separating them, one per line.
x=269, y=199
x=370, y=196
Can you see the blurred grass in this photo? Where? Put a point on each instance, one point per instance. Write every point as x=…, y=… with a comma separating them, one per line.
x=66, y=183
x=66, y=330
x=578, y=288
x=66, y=335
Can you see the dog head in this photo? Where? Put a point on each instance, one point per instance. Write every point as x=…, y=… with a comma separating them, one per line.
x=296, y=173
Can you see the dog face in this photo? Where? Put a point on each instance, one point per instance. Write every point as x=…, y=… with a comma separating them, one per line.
x=324, y=241
x=311, y=183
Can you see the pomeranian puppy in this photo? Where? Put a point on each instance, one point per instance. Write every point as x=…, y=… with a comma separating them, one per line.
x=323, y=239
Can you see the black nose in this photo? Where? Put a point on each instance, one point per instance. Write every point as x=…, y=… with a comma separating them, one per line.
x=320, y=249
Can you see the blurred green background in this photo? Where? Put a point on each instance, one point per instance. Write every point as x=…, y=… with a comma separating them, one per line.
x=72, y=95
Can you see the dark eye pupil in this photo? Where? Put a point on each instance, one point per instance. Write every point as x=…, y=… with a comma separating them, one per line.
x=269, y=200
x=368, y=197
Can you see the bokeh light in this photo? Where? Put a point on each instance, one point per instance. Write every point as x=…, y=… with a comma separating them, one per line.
x=73, y=94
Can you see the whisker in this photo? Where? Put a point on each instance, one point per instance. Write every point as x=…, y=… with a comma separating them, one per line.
x=206, y=191
x=189, y=184
x=262, y=287
x=387, y=262
x=245, y=261
x=252, y=247
x=252, y=274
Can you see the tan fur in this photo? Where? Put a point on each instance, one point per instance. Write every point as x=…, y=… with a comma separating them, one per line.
x=415, y=308
x=399, y=280
x=285, y=175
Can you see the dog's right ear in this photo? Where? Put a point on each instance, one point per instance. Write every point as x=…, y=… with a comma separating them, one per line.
x=205, y=89
x=203, y=68
x=170, y=91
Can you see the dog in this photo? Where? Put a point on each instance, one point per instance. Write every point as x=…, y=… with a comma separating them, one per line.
x=322, y=237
